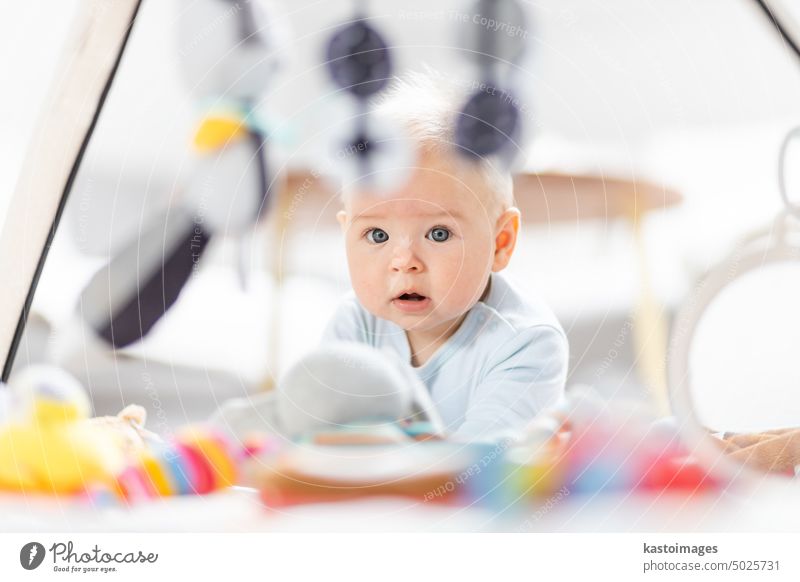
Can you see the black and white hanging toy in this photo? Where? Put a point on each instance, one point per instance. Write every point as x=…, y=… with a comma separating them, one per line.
x=372, y=153
x=226, y=68
x=493, y=37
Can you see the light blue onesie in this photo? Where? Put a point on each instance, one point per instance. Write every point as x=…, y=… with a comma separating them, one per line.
x=505, y=364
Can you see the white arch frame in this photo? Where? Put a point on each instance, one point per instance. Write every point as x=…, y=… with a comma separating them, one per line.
x=88, y=63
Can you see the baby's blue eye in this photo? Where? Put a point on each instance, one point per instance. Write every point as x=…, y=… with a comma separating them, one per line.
x=439, y=234
x=377, y=236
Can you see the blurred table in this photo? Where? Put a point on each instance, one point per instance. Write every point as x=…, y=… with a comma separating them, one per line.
x=309, y=198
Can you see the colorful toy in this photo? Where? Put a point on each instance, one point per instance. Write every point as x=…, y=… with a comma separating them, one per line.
x=514, y=470
x=587, y=446
x=51, y=446
x=197, y=461
x=48, y=447
x=584, y=446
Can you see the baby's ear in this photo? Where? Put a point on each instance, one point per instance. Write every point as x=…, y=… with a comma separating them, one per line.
x=505, y=238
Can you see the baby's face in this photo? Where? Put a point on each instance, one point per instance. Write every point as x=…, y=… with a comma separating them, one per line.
x=421, y=256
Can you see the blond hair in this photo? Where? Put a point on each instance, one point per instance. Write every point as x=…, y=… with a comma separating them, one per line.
x=427, y=105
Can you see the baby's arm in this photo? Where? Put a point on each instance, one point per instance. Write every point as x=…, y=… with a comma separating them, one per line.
x=527, y=375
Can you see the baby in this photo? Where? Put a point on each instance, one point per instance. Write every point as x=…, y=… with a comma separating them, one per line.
x=425, y=262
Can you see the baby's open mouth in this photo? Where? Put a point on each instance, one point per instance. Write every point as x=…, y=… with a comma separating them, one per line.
x=412, y=302
x=411, y=297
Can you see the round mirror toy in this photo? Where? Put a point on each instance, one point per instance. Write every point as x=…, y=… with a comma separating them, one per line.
x=733, y=374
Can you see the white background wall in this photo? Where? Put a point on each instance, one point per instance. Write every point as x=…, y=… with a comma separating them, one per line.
x=617, y=70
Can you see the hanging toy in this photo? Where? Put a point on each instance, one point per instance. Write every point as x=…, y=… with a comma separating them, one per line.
x=227, y=67
x=373, y=152
x=490, y=122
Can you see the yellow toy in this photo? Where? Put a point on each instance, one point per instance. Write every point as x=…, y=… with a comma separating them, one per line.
x=50, y=446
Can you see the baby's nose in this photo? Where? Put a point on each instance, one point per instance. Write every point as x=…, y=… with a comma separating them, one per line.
x=405, y=260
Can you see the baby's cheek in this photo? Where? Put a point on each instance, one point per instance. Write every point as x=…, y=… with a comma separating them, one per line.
x=457, y=292
x=360, y=264
x=454, y=262
x=471, y=281
x=368, y=286
x=467, y=266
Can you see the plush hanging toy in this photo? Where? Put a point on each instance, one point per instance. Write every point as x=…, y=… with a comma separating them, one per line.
x=490, y=123
x=229, y=53
x=371, y=152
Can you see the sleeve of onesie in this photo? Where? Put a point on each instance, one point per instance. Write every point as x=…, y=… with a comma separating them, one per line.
x=523, y=376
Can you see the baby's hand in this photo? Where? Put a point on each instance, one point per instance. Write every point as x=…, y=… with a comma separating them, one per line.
x=128, y=425
x=775, y=451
